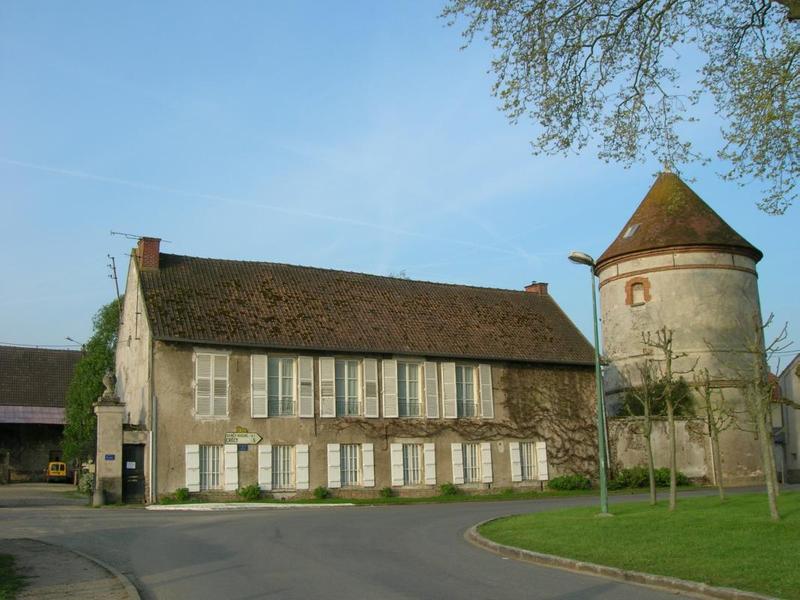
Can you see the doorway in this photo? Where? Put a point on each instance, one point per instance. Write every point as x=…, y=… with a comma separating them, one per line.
x=133, y=473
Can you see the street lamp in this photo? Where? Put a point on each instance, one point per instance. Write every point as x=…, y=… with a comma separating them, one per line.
x=582, y=258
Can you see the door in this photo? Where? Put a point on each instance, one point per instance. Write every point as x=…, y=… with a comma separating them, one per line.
x=133, y=473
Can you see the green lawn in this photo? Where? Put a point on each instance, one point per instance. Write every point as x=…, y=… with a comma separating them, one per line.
x=10, y=581
x=732, y=544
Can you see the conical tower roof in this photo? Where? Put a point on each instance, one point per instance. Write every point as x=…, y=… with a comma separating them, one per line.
x=672, y=215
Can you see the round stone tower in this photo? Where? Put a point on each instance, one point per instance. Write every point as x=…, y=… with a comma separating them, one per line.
x=677, y=264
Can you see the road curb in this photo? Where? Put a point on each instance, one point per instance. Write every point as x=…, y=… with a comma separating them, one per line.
x=216, y=506
x=673, y=584
x=130, y=589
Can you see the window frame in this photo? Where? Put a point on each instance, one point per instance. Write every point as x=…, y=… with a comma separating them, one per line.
x=292, y=470
x=460, y=403
x=204, y=450
x=293, y=387
x=529, y=468
x=475, y=469
x=212, y=354
x=358, y=379
x=420, y=451
x=420, y=367
x=356, y=458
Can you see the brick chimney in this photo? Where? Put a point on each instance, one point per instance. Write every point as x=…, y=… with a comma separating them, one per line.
x=148, y=252
x=537, y=287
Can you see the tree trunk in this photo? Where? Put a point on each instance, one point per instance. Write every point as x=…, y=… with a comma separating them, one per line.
x=773, y=467
x=716, y=458
x=651, y=470
x=765, y=442
x=673, y=456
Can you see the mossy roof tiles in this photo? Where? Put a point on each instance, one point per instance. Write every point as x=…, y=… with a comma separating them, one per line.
x=35, y=376
x=271, y=305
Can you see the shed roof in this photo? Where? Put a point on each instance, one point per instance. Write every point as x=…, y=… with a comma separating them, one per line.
x=673, y=215
x=262, y=304
x=35, y=376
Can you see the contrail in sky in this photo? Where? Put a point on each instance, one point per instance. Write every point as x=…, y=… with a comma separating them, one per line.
x=229, y=200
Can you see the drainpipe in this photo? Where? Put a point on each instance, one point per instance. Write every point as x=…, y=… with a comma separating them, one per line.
x=153, y=427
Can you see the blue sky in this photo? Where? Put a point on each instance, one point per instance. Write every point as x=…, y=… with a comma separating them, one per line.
x=348, y=135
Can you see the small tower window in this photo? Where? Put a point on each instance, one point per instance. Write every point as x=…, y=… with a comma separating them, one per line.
x=637, y=291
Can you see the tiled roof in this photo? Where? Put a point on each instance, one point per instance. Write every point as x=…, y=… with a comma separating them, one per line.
x=273, y=305
x=672, y=215
x=35, y=376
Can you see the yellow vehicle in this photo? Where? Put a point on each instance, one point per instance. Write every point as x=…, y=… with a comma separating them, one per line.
x=56, y=471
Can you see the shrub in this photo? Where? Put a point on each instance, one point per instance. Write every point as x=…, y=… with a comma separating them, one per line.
x=386, y=492
x=448, y=489
x=86, y=483
x=321, y=492
x=662, y=478
x=636, y=477
x=181, y=494
x=249, y=493
x=570, y=482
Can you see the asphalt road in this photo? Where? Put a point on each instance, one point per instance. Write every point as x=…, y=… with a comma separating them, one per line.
x=387, y=552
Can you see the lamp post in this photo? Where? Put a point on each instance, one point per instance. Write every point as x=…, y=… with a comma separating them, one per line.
x=582, y=258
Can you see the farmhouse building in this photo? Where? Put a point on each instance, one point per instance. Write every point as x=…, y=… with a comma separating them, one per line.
x=235, y=373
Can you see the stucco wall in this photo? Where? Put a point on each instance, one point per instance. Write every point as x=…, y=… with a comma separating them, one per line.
x=790, y=389
x=710, y=302
x=550, y=403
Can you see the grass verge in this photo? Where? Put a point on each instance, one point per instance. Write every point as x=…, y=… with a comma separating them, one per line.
x=11, y=582
x=732, y=544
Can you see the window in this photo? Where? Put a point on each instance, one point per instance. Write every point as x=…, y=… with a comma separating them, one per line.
x=412, y=464
x=472, y=462
x=282, y=468
x=465, y=391
x=210, y=468
x=211, y=385
x=349, y=464
x=280, y=386
x=347, y=388
x=408, y=390
x=527, y=455
x=637, y=291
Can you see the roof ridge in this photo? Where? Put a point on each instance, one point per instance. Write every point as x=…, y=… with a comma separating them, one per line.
x=332, y=270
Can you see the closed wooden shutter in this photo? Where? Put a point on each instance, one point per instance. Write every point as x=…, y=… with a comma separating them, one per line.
x=305, y=369
x=486, y=462
x=231, y=467
x=541, y=461
x=368, y=465
x=487, y=400
x=258, y=385
x=265, y=466
x=327, y=387
x=220, y=385
x=202, y=384
x=396, y=457
x=449, y=390
x=371, y=388
x=334, y=468
x=389, y=388
x=516, y=461
x=193, y=467
x=457, y=456
x=430, y=463
x=301, y=466
x=431, y=391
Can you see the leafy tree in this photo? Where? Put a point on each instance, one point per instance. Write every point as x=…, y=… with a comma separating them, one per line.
x=87, y=384
x=612, y=71
x=717, y=416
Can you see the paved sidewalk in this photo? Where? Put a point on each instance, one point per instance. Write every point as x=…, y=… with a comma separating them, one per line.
x=55, y=572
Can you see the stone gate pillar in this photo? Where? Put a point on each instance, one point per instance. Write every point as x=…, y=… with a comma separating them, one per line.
x=110, y=414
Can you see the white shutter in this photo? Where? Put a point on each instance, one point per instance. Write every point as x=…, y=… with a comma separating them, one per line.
x=516, y=461
x=220, y=385
x=487, y=401
x=327, y=387
x=334, y=467
x=449, y=390
x=265, y=466
x=202, y=384
x=458, y=463
x=486, y=462
x=430, y=463
x=389, y=388
x=258, y=385
x=231, y=467
x=431, y=391
x=371, y=388
x=301, y=466
x=193, y=467
x=367, y=465
x=305, y=370
x=396, y=456
x=541, y=461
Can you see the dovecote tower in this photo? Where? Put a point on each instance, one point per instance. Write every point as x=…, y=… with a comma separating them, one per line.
x=677, y=264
